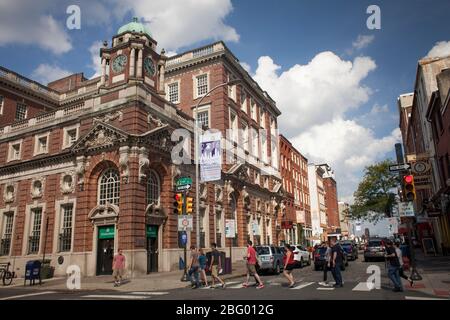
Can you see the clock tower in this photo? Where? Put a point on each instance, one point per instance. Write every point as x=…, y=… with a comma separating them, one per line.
x=133, y=58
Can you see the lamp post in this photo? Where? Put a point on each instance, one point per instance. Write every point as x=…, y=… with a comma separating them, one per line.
x=196, y=143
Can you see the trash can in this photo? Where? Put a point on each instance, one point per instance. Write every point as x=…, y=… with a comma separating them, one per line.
x=227, y=267
x=32, y=272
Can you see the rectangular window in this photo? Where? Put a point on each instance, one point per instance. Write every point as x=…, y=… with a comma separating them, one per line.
x=174, y=93
x=243, y=100
x=8, y=222
x=253, y=109
x=245, y=136
x=266, y=182
x=202, y=85
x=231, y=89
x=65, y=236
x=2, y=101
x=35, y=234
x=14, y=151
x=21, y=111
x=234, y=126
x=203, y=118
x=262, y=119
x=70, y=136
x=42, y=145
x=255, y=142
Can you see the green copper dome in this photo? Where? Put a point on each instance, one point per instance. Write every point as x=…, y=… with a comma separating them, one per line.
x=134, y=26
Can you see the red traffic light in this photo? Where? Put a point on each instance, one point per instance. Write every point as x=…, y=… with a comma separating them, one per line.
x=408, y=179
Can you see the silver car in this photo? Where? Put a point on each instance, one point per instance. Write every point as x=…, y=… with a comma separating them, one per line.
x=271, y=258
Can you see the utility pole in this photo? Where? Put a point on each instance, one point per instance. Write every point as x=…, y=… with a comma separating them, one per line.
x=414, y=273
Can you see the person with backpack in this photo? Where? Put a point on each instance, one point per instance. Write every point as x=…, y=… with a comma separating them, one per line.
x=336, y=261
x=289, y=264
x=251, y=266
x=393, y=266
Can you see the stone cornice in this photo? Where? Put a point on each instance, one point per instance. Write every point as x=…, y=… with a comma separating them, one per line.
x=36, y=163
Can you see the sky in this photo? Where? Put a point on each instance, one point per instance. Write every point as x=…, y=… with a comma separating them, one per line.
x=335, y=81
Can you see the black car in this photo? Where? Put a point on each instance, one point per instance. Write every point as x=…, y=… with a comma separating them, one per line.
x=319, y=259
x=350, y=249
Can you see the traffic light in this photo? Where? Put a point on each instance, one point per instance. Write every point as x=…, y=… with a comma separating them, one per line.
x=189, y=205
x=178, y=203
x=410, y=190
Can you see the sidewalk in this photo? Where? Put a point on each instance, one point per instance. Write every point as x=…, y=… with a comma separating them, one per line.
x=435, y=272
x=151, y=282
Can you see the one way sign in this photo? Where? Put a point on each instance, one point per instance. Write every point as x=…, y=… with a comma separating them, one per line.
x=400, y=167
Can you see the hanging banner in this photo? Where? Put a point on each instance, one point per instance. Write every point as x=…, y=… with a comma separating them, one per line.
x=230, y=228
x=210, y=156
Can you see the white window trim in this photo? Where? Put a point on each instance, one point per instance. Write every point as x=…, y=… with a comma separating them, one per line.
x=28, y=227
x=195, y=86
x=179, y=91
x=66, y=135
x=36, y=143
x=11, y=152
x=255, y=153
x=13, y=233
x=245, y=144
x=204, y=108
x=26, y=110
x=244, y=105
x=235, y=131
x=2, y=104
x=59, y=221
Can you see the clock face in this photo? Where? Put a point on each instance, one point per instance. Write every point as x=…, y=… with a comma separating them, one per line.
x=119, y=63
x=149, y=66
x=420, y=167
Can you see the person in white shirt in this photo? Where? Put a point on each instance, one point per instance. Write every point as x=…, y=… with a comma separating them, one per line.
x=400, y=260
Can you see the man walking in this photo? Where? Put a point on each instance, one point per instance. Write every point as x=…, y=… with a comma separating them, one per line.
x=215, y=266
x=401, y=272
x=251, y=266
x=194, y=268
x=326, y=266
x=336, y=262
x=393, y=266
x=118, y=267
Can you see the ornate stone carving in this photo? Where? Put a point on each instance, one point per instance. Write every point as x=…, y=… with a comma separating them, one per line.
x=37, y=187
x=9, y=192
x=203, y=191
x=67, y=182
x=153, y=120
x=104, y=213
x=102, y=138
x=102, y=135
x=123, y=162
x=144, y=162
x=80, y=170
x=218, y=194
x=110, y=117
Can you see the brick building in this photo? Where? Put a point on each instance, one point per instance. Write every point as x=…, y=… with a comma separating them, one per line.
x=319, y=222
x=296, y=222
x=86, y=166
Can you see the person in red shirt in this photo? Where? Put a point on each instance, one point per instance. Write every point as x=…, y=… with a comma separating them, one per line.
x=289, y=265
x=118, y=267
x=251, y=266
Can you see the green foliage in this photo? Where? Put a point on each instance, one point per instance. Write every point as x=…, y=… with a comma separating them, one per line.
x=375, y=195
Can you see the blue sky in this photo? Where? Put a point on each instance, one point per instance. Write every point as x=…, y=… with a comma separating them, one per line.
x=338, y=98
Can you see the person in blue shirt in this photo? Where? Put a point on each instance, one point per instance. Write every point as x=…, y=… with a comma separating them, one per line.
x=202, y=262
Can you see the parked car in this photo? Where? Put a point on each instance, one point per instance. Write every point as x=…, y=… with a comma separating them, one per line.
x=319, y=259
x=301, y=255
x=271, y=258
x=374, y=250
x=350, y=249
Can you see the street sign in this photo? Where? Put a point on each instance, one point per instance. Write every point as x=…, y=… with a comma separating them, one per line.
x=183, y=183
x=400, y=167
x=230, y=228
x=185, y=223
x=406, y=209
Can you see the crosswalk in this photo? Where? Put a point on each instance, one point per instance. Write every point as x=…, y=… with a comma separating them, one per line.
x=136, y=295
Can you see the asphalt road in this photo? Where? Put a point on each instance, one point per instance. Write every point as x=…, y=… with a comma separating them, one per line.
x=307, y=288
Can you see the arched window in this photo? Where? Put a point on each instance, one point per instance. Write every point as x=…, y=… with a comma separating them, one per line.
x=109, y=187
x=153, y=188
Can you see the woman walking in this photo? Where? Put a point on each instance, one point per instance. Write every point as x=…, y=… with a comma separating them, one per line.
x=289, y=265
x=202, y=262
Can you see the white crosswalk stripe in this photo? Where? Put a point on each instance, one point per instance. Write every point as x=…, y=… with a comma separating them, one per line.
x=364, y=286
x=149, y=293
x=113, y=296
x=326, y=288
x=303, y=285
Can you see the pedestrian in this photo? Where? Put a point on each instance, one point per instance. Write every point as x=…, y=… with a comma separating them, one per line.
x=251, y=266
x=327, y=264
x=289, y=265
x=393, y=266
x=194, y=268
x=118, y=267
x=336, y=261
x=215, y=266
x=202, y=264
x=401, y=272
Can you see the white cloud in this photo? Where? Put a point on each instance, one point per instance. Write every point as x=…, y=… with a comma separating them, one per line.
x=362, y=41
x=96, y=63
x=315, y=93
x=46, y=73
x=20, y=23
x=179, y=23
x=440, y=49
x=379, y=109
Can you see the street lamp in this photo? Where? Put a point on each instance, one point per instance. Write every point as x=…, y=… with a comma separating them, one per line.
x=196, y=143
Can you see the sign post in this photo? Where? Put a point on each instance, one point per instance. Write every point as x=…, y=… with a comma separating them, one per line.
x=230, y=232
x=183, y=184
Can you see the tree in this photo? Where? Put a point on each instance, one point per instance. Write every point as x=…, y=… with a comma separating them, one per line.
x=375, y=195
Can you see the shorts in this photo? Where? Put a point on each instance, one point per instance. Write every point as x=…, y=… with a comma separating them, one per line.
x=251, y=269
x=289, y=267
x=214, y=270
x=118, y=273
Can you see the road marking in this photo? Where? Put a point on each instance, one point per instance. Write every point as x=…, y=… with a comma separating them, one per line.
x=110, y=296
x=149, y=293
x=422, y=298
x=364, y=286
x=28, y=295
x=220, y=286
x=325, y=288
x=304, y=285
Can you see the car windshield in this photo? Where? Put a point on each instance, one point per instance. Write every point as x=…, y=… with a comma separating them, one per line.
x=375, y=243
x=262, y=250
